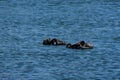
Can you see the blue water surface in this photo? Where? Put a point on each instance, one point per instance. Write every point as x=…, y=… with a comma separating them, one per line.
x=24, y=24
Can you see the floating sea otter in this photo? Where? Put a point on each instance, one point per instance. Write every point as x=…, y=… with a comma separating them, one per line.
x=80, y=45
x=54, y=41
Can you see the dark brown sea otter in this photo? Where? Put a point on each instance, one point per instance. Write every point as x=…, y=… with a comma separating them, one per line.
x=54, y=41
x=80, y=45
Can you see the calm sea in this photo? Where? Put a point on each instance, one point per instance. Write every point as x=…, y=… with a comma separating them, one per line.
x=24, y=24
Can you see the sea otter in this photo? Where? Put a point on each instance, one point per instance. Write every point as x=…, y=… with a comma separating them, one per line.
x=54, y=41
x=80, y=45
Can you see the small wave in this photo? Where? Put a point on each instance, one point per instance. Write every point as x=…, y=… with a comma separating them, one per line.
x=117, y=38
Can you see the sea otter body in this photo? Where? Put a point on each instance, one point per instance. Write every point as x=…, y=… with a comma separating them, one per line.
x=80, y=45
x=54, y=41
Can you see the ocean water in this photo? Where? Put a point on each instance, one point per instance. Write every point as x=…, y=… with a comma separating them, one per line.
x=24, y=24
